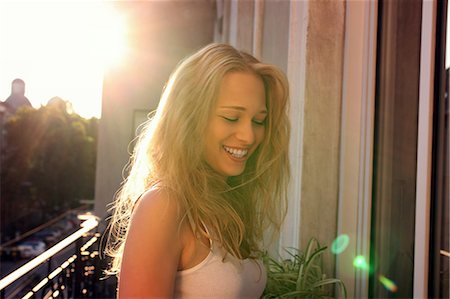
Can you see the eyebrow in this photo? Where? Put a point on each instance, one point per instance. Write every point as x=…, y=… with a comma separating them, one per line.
x=240, y=108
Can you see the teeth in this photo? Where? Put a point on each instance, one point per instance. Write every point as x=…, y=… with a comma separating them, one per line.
x=237, y=153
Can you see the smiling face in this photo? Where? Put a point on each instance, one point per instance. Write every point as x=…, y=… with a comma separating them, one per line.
x=237, y=124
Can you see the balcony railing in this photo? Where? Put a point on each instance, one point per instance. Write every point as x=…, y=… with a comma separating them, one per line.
x=75, y=277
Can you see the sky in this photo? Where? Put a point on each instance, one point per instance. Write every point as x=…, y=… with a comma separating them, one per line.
x=60, y=48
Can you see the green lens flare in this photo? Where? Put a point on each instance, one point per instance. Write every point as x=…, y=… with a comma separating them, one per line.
x=340, y=244
x=388, y=284
x=360, y=263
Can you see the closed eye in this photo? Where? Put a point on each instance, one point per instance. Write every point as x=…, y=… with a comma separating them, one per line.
x=259, y=122
x=230, y=119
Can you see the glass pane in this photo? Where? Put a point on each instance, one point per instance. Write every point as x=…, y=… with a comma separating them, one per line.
x=439, y=241
x=395, y=149
x=440, y=251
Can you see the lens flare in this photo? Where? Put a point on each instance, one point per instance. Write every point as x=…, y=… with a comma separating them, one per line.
x=340, y=244
x=388, y=284
x=360, y=263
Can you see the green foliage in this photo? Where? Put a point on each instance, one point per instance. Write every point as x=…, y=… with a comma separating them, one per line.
x=48, y=161
x=300, y=276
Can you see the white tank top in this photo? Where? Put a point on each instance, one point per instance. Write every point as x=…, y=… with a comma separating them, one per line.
x=216, y=278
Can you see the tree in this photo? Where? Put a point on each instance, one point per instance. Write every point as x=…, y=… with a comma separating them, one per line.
x=49, y=162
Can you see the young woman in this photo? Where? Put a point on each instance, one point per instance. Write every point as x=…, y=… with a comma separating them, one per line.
x=208, y=176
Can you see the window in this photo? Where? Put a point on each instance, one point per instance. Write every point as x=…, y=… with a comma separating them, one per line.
x=395, y=149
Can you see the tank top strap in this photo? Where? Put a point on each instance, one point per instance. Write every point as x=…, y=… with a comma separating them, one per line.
x=208, y=234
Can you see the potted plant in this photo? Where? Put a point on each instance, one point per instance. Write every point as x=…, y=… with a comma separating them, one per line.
x=300, y=276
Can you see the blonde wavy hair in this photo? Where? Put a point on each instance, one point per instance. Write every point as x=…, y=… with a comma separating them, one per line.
x=169, y=155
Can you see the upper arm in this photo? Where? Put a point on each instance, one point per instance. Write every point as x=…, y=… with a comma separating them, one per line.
x=152, y=248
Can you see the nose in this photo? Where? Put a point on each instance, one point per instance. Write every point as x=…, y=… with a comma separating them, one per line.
x=246, y=133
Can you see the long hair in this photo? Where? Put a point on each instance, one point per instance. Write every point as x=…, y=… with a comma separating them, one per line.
x=169, y=154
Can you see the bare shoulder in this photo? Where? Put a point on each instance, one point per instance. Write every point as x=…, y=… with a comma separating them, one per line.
x=159, y=202
x=156, y=219
x=152, y=247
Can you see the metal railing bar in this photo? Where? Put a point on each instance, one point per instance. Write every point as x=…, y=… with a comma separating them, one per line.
x=20, y=288
x=40, y=227
x=85, y=227
x=39, y=286
x=446, y=253
x=89, y=243
x=55, y=272
x=58, y=270
x=48, y=295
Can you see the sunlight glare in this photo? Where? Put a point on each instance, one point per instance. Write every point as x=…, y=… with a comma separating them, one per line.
x=360, y=263
x=387, y=283
x=61, y=49
x=111, y=38
x=340, y=244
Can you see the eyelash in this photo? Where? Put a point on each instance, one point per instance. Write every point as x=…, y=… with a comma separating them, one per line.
x=258, y=123
x=230, y=119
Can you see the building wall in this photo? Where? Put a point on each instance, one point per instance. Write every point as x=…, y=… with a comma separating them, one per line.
x=322, y=122
x=160, y=34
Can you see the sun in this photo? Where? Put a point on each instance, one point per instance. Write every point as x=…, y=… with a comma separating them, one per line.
x=110, y=32
x=61, y=48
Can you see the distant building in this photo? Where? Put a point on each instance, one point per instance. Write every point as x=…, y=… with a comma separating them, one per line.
x=17, y=98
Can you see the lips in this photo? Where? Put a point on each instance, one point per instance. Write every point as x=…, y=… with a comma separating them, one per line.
x=237, y=153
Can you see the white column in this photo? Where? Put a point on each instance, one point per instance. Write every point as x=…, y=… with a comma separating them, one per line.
x=290, y=235
x=357, y=131
x=424, y=149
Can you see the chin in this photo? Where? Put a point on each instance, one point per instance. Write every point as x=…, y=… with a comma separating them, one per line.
x=227, y=171
x=233, y=173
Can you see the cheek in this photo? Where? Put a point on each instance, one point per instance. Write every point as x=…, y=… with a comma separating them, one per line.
x=259, y=135
x=214, y=134
x=220, y=131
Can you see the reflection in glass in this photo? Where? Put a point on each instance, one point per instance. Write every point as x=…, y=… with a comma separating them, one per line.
x=395, y=149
